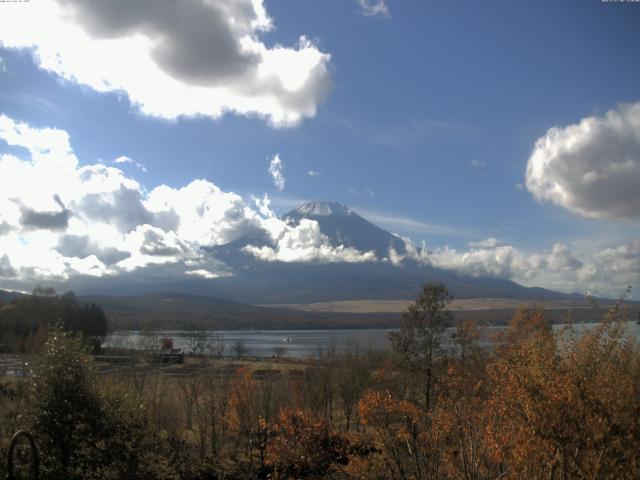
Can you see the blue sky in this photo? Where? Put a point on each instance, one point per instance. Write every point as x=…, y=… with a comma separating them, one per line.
x=426, y=121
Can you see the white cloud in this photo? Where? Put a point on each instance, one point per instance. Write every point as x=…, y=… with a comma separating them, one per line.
x=275, y=169
x=374, y=8
x=204, y=214
x=173, y=59
x=604, y=272
x=305, y=243
x=124, y=159
x=591, y=168
x=313, y=173
x=475, y=163
x=60, y=221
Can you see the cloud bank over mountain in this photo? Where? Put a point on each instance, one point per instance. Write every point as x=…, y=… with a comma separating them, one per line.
x=591, y=168
x=173, y=58
x=61, y=219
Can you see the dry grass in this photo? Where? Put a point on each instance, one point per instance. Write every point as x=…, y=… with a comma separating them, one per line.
x=397, y=306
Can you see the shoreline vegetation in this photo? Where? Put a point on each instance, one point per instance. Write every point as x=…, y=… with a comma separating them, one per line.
x=541, y=404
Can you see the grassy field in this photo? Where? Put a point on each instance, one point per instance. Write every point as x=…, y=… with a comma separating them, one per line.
x=461, y=305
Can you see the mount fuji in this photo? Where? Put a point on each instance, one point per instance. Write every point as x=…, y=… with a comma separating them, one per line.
x=276, y=282
x=345, y=227
x=272, y=281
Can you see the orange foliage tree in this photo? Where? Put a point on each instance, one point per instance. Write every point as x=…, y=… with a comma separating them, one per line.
x=570, y=405
x=406, y=447
x=301, y=446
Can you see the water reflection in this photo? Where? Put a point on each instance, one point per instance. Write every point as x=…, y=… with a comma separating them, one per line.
x=296, y=343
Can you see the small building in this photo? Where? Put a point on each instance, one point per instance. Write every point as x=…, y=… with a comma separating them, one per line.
x=170, y=355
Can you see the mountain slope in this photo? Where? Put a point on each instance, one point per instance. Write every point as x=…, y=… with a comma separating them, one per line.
x=262, y=282
x=255, y=281
x=345, y=227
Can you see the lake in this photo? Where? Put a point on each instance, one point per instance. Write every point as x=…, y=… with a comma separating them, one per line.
x=299, y=343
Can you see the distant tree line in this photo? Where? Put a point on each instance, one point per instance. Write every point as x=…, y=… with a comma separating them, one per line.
x=25, y=321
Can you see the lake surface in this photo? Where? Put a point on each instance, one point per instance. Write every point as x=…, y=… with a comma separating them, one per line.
x=299, y=343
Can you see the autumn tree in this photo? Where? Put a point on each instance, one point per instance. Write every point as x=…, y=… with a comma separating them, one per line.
x=466, y=338
x=81, y=433
x=418, y=340
x=301, y=446
x=405, y=445
x=353, y=373
x=462, y=417
x=315, y=389
x=242, y=415
x=570, y=403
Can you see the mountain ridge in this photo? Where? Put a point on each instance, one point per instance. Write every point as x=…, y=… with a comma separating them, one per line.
x=258, y=282
x=344, y=226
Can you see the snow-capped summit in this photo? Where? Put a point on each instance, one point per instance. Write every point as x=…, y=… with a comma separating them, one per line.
x=317, y=208
x=345, y=227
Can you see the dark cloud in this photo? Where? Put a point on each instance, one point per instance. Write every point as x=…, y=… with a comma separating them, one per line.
x=4, y=227
x=31, y=218
x=156, y=244
x=82, y=247
x=192, y=40
x=122, y=207
x=6, y=269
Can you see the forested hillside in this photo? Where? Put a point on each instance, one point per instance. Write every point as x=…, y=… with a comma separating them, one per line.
x=25, y=320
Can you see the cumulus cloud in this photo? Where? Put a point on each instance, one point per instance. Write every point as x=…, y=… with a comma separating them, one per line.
x=275, y=169
x=202, y=213
x=492, y=258
x=305, y=243
x=504, y=261
x=604, y=272
x=374, y=8
x=313, y=173
x=172, y=59
x=475, y=163
x=616, y=266
x=591, y=168
x=61, y=221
